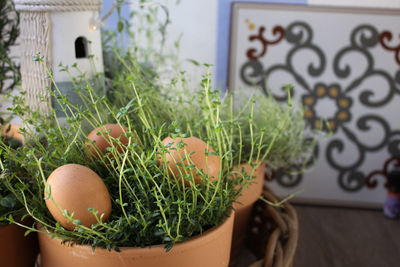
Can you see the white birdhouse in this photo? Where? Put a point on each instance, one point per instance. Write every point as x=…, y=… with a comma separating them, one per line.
x=63, y=32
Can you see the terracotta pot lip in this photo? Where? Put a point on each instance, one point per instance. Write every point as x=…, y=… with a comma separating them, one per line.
x=198, y=240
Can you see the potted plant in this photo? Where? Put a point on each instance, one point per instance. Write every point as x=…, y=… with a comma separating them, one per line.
x=162, y=192
x=265, y=133
x=273, y=135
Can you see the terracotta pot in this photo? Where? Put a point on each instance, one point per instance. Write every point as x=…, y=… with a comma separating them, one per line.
x=243, y=207
x=16, y=250
x=210, y=249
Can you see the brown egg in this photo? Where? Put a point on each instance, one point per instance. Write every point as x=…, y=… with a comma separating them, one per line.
x=196, y=150
x=77, y=188
x=101, y=138
x=12, y=131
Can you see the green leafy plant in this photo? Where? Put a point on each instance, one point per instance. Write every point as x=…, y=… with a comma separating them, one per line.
x=149, y=206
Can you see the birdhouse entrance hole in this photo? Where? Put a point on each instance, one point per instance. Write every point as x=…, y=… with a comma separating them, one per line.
x=81, y=49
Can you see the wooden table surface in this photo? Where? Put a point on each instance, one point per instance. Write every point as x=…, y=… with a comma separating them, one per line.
x=344, y=237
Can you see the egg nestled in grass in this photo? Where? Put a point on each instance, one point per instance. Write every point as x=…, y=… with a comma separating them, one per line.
x=101, y=138
x=190, y=156
x=76, y=189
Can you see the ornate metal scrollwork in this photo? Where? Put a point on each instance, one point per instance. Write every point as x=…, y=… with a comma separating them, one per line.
x=362, y=39
x=251, y=53
x=386, y=37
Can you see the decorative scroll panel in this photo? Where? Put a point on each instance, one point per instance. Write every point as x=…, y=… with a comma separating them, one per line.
x=345, y=66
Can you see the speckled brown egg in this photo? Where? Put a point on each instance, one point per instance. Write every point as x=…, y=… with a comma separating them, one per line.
x=193, y=153
x=101, y=138
x=77, y=188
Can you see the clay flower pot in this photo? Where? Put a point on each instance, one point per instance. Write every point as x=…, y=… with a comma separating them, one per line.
x=210, y=249
x=16, y=250
x=244, y=205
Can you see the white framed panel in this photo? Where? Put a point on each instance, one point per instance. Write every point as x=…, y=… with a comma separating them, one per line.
x=345, y=66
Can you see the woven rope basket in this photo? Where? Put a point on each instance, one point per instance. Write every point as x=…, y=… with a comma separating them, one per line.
x=272, y=235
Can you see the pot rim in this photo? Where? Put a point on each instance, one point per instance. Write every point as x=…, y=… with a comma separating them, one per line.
x=151, y=251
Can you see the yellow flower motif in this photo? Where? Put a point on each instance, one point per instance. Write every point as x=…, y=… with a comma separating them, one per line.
x=308, y=113
x=344, y=103
x=321, y=91
x=343, y=115
x=309, y=100
x=334, y=91
x=318, y=124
